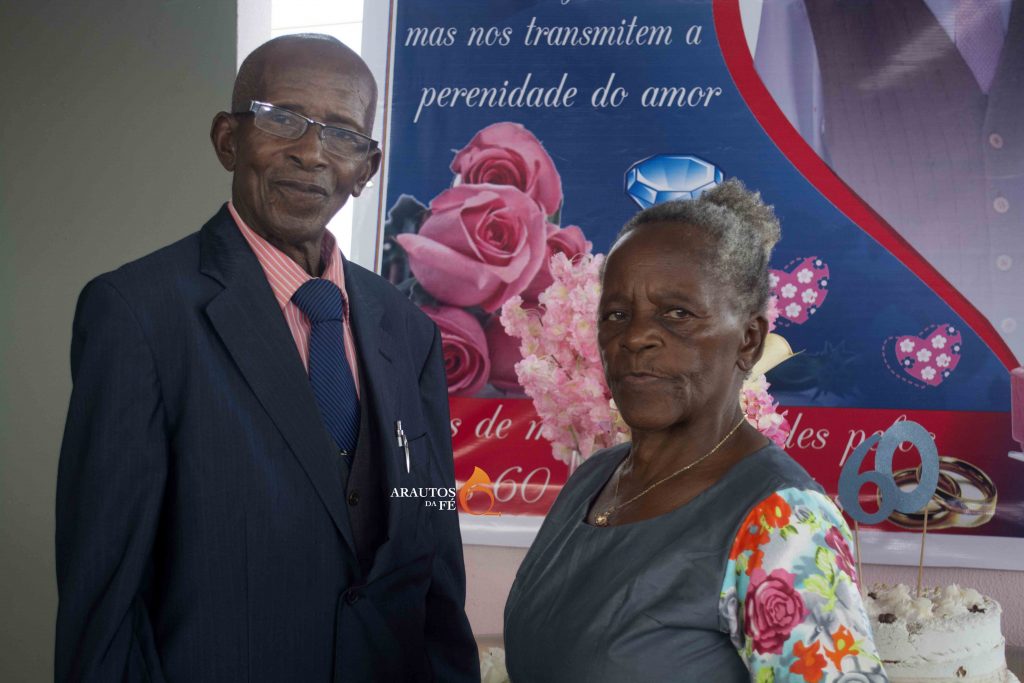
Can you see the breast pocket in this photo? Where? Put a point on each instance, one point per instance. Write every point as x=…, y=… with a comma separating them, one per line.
x=411, y=441
x=420, y=452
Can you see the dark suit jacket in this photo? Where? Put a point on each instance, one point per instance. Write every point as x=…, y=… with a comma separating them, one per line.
x=203, y=528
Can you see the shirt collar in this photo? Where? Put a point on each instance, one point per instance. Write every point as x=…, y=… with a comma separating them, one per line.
x=285, y=275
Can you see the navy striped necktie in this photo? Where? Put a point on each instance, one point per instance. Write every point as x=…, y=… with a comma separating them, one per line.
x=329, y=371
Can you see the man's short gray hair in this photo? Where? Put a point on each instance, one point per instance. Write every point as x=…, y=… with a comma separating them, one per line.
x=741, y=229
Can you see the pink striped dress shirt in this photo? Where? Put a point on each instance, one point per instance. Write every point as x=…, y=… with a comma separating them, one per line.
x=286, y=276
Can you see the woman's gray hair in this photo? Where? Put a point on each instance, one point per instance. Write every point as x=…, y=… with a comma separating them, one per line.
x=741, y=229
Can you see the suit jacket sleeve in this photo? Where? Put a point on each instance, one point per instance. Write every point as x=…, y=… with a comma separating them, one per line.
x=113, y=467
x=450, y=644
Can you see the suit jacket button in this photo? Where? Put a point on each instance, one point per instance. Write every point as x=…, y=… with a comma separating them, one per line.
x=353, y=498
x=353, y=595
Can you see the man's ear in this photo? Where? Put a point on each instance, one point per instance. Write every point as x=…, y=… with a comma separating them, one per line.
x=752, y=346
x=224, y=136
x=370, y=168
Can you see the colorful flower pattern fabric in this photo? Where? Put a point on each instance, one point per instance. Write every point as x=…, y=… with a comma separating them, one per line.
x=790, y=598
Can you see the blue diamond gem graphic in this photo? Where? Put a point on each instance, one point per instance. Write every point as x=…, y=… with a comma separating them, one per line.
x=663, y=177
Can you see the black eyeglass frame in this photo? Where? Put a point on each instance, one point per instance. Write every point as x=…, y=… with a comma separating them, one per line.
x=256, y=105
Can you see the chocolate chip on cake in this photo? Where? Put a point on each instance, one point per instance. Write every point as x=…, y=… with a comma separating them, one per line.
x=887, y=618
x=976, y=609
x=873, y=595
x=961, y=672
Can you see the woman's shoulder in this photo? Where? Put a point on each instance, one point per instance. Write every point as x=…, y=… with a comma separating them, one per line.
x=764, y=484
x=772, y=469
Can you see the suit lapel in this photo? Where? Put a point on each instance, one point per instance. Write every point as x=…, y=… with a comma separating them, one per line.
x=377, y=351
x=249, y=321
x=1008, y=85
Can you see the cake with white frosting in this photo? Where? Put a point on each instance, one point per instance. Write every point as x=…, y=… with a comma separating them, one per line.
x=492, y=665
x=948, y=634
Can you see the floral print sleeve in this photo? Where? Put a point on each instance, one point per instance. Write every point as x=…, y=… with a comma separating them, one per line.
x=790, y=600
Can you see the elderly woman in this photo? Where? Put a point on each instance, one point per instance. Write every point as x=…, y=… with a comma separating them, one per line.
x=700, y=551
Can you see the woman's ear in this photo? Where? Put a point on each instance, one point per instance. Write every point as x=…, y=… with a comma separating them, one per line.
x=752, y=346
x=223, y=135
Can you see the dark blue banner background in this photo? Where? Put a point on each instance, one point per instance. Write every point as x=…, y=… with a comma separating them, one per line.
x=871, y=297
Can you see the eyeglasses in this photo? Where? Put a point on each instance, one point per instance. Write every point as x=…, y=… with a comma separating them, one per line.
x=288, y=124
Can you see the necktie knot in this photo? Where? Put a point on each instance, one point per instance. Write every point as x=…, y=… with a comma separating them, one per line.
x=979, y=37
x=320, y=300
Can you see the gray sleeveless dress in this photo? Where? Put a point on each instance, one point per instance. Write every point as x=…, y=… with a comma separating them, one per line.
x=637, y=602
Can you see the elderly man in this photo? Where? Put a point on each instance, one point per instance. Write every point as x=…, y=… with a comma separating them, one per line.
x=243, y=401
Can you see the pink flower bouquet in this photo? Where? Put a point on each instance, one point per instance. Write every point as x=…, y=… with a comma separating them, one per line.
x=561, y=367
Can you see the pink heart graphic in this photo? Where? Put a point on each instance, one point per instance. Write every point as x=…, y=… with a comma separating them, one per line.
x=928, y=358
x=800, y=288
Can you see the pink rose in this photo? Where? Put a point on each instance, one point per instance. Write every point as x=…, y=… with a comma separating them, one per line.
x=844, y=558
x=466, y=362
x=508, y=154
x=504, y=356
x=569, y=241
x=771, y=610
x=481, y=245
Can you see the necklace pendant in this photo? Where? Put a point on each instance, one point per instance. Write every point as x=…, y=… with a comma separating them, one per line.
x=601, y=519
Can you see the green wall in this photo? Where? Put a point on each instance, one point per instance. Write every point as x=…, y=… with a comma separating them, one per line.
x=104, y=156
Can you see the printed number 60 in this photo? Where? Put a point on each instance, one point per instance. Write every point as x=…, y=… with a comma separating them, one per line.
x=891, y=497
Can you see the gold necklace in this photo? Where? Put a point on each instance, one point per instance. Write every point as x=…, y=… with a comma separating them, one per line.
x=602, y=518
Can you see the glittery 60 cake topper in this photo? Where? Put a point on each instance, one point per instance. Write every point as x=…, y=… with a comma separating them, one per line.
x=890, y=496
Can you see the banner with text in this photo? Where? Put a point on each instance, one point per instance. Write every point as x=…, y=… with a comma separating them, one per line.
x=519, y=129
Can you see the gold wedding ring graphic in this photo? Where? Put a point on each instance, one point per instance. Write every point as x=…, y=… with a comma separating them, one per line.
x=965, y=497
